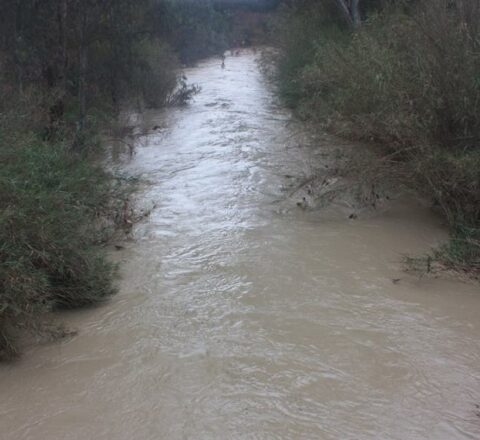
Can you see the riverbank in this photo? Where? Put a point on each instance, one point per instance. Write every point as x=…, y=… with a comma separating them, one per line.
x=65, y=74
x=406, y=80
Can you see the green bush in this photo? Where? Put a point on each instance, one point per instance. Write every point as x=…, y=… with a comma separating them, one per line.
x=50, y=199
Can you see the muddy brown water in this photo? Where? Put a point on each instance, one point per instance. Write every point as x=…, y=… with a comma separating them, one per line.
x=242, y=316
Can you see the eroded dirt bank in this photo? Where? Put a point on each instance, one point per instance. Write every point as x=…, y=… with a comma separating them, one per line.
x=243, y=316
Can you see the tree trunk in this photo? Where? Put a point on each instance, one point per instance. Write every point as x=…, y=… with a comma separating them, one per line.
x=344, y=9
x=355, y=11
x=17, y=25
x=82, y=83
x=62, y=24
x=350, y=11
x=57, y=74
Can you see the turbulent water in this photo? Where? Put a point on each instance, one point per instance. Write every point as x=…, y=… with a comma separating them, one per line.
x=243, y=316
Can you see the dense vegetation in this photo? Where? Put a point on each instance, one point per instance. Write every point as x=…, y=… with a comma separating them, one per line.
x=67, y=68
x=404, y=75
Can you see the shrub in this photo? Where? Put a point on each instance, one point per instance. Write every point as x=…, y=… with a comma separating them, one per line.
x=50, y=199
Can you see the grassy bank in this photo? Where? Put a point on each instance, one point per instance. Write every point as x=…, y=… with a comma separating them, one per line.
x=49, y=253
x=407, y=79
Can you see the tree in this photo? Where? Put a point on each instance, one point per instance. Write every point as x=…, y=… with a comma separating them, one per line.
x=350, y=10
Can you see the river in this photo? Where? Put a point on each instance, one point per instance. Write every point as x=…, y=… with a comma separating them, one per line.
x=243, y=316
